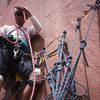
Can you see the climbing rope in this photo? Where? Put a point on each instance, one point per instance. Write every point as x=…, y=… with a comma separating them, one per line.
x=60, y=56
x=69, y=58
x=32, y=57
x=51, y=74
x=80, y=38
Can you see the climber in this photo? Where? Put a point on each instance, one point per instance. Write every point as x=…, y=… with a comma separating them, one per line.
x=22, y=67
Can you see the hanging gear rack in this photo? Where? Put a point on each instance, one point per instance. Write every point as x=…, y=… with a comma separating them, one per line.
x=82, y=45
x=61, y=91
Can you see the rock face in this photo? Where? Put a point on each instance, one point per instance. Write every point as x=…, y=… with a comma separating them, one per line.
x=55, y=17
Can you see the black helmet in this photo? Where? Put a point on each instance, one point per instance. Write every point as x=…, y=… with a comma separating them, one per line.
x=18, y=12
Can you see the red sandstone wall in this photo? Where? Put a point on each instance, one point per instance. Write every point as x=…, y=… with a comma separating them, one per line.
x=55, y=17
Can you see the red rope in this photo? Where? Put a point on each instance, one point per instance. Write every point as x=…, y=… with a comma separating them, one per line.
x=7, y=38
x=33, y=62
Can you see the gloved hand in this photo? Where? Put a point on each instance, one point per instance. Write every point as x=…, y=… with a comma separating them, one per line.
x=38, y=75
